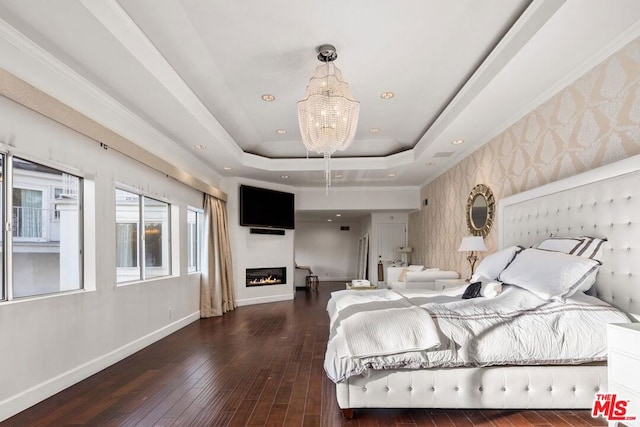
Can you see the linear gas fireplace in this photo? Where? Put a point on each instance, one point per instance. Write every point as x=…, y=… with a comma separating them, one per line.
x=266, y=276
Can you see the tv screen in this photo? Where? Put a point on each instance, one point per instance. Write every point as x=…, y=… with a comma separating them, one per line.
x=260, y=207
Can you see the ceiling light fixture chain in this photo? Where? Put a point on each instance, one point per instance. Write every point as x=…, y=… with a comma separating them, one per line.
x=328, y=114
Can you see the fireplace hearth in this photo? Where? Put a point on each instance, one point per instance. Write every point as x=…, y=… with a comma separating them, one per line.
x=266, y=276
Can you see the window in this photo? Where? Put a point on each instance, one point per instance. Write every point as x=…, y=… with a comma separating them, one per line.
x=195, y=233
x=146, y=239
x=41, y=251
x=156, y=238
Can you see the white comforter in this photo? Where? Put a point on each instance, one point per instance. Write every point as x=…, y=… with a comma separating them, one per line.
x=515, y=328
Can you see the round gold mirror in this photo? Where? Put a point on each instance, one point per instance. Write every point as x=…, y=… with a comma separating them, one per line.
x=480, y=210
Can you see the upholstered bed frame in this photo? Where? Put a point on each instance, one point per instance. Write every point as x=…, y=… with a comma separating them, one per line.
x=603, y=202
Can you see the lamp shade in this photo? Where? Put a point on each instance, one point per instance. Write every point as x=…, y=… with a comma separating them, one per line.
x=472, y=244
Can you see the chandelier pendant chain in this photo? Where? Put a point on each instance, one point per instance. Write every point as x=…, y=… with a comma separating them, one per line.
x=327, y=173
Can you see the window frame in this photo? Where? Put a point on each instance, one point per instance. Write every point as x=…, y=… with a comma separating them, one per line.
x=199, y=235
x=141, y=223
x=8, y=254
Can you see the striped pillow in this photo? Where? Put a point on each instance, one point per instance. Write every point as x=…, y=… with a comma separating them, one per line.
x=584, y=246
x=551, y=275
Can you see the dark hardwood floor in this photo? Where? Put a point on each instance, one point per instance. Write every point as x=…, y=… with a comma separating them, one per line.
x=258, y=365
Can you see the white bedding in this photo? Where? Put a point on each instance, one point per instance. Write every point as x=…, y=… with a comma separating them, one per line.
x=514, y=328
x=384, y=332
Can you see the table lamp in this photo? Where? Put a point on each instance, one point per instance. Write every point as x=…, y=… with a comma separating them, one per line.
x=472, y=244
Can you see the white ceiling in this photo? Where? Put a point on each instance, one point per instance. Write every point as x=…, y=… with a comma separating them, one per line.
x=172, y=74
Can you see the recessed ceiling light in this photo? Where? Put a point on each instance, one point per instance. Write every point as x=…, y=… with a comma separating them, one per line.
x=374, y=130
x=338, y=214
x=227, y=168
x=281, y=131
x=444, y=154
x=268, y=97
x=391, y=174
x=338, y=175
x=284, y=176
x=329, y=220
x=200, y=147
x=457, y=141
x=387, y=95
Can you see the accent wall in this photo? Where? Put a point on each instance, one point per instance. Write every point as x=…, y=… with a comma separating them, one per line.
x=592, y=122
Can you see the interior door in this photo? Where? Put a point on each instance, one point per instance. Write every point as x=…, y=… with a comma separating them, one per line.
x=391, y=237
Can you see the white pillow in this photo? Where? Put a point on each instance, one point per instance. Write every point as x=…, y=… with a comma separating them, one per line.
x=550, y=275
x=592, y=247
x=584, y=246
x=568, y=245
x=415, y=268
x=492, y=265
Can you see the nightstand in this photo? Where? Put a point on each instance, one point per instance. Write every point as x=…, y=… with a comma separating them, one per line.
x=624, y=366
x=443, y=284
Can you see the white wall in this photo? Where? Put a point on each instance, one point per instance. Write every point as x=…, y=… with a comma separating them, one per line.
x=368, y=199
x=395, y=202
x=51, y=342
x=376, y=219
x=330, y=252
x=257, y=250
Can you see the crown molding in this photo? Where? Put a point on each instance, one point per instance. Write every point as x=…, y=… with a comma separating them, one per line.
x=67, y=86
x=530, y=22
x=599, y=57
x=117, y=22
x=615, y=45
x=29, y=96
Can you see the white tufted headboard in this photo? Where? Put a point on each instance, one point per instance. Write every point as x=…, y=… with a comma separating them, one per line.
x=603, y=202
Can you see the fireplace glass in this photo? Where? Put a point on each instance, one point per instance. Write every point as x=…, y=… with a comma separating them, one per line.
x=266, y=276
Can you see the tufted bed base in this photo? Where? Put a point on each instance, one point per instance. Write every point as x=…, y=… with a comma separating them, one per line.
x=491, y=387
x=602, y=202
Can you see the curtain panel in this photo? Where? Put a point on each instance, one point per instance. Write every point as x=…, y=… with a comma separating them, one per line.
x=217, y=291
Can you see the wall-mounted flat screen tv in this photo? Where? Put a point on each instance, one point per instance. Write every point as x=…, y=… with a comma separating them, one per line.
x=260, y=207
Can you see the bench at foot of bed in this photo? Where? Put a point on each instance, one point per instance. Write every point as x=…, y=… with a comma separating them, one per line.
x=347, y=413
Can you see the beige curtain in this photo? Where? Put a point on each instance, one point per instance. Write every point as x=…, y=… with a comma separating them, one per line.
x=217, y=294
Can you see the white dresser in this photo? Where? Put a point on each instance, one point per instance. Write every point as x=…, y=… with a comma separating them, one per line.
x=624, y=366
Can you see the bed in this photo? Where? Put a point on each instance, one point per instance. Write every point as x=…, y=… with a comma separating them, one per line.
x=601, y=203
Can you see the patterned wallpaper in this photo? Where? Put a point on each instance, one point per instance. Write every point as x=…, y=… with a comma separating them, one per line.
x=592, y=122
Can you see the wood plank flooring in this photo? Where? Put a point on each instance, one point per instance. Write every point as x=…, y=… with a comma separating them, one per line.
x=258, y=365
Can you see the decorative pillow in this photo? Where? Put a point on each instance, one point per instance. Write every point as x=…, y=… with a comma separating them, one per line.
x=492, y=265
x=491, y=289
x=592, y=247
x=415, y=268
x=550, y=275
x=584, y=246
x=403, y=275
x=568, y=245
x=472, y=291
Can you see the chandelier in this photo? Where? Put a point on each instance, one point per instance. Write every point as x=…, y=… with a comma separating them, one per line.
x=328, y=114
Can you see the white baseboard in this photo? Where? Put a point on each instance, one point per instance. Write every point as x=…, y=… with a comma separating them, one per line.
x=39, y=392
x=262, y=300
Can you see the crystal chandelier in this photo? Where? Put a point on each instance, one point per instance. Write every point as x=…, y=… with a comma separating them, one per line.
x=328, y=114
